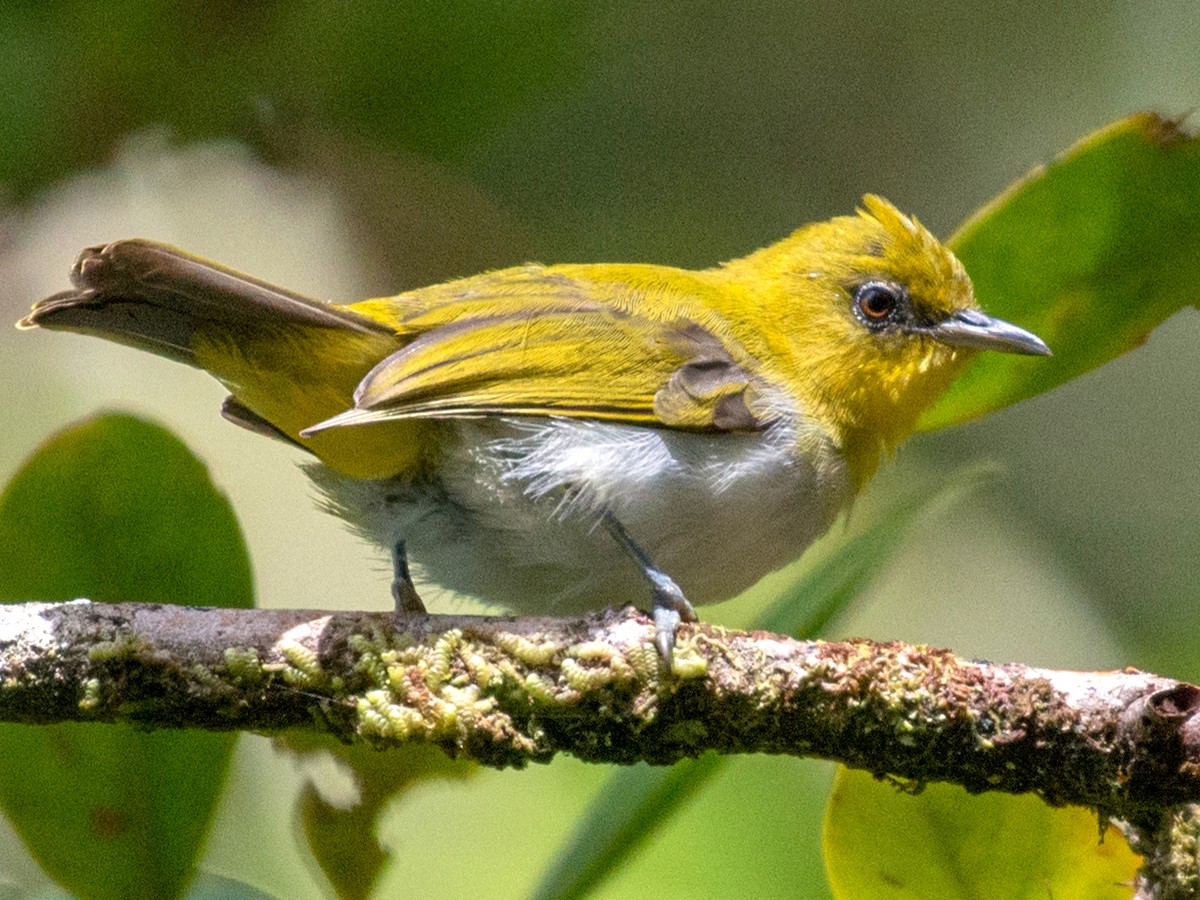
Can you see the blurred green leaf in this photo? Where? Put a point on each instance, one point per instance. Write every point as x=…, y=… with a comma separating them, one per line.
x=946, y=844
x=637, y=801
x=426, y=76
x=205, y=887
x=116, y=509
x=343, y=839
x=1091, y=253
x=629, y=807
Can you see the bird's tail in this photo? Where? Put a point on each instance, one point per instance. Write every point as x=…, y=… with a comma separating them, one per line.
x=288, y=361
x=155, y=297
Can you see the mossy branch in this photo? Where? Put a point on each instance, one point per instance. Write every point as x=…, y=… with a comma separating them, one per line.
x=507, y=692
x=1171, y=850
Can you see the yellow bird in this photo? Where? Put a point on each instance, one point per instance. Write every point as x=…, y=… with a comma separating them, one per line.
x=550, y=438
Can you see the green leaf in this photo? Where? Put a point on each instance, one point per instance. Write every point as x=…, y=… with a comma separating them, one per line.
x=425, y=76
x=1091, y=253
x=343, y=838
x=636, y=801
x=945, y=844
x=629, y=807
x=827, y=589
x=116, y=509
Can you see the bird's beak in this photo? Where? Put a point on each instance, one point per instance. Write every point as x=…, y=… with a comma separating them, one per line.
x=972, y=328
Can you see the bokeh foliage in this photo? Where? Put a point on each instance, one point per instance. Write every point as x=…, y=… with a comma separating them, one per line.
x=116, y=510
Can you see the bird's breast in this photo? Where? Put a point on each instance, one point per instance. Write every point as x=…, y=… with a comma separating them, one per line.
x=511, y=516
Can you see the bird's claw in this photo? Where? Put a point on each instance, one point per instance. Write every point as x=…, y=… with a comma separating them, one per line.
x=670, y=608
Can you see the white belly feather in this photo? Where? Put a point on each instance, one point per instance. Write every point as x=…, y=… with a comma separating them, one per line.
x=513, y=518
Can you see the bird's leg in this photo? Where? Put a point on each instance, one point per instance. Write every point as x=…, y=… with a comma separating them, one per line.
x=670, y=606
x=408, y=602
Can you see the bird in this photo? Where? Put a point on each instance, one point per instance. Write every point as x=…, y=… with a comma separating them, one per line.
x=553, y=439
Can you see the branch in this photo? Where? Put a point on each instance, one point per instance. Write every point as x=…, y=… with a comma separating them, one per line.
x=1171, y=850
x=507, y=692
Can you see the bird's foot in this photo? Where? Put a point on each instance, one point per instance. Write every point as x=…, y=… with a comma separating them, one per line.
x=669, y=609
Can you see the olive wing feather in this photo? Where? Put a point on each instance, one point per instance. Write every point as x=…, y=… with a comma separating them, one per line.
x=551, y=348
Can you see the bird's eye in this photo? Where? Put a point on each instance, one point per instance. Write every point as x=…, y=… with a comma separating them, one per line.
x=877, y=302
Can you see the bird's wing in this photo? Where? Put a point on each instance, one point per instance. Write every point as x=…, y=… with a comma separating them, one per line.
x=554, y=346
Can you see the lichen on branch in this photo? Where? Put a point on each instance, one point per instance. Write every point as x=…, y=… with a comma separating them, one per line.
x=507, y=692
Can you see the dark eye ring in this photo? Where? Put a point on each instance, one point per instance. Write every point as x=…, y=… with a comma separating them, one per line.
x=877, y=301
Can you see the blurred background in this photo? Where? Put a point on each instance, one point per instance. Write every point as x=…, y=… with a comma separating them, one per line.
x=348, y=151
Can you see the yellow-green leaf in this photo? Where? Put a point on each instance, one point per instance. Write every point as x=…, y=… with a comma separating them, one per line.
x=945, y=844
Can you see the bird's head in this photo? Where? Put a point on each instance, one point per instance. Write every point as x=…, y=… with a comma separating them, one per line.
x=875, y=318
